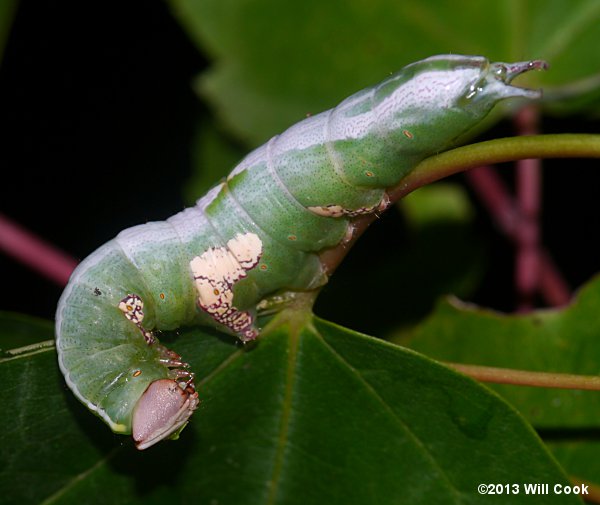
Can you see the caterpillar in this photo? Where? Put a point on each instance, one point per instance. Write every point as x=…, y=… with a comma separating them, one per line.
x=255, y=235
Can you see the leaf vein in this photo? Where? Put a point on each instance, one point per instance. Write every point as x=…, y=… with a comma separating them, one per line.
x=290, y=382
x=369, y=388
x=79, y=477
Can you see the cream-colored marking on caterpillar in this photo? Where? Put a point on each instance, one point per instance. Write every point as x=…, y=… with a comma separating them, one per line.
x=328, y=210
x=339, y=211
x=133, y=308
x=215, y=272
x=247, y=249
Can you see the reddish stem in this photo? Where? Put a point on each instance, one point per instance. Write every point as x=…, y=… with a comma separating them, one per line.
x=528, y=184
x=35, y=252
x=494, y=194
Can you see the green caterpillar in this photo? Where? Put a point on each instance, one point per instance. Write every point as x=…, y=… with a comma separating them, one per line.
x=255, y=235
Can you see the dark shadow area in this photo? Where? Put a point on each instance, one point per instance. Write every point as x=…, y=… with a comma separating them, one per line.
x=98, y=113
x=584, y=434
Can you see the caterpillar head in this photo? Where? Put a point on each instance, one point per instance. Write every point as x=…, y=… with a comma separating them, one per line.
x=162, y=412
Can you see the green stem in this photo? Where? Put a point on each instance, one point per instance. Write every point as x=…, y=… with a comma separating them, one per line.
x=564, y=145
x=528, y=378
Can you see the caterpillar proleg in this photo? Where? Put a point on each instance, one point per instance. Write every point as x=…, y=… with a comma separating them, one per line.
x=254, y=235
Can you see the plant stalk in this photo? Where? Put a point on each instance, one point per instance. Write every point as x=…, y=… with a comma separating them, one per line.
x=528, y=378
x=457, y=160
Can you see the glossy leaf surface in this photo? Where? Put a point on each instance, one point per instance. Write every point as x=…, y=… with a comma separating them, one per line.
x=314, y=413
x=562, y=340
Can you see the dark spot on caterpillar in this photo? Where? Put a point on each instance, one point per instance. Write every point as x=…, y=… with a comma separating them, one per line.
x=97, y=292
x=407, y=134
x=162, y=296
x=137, y=373
x=263, y=267
x=368, y=173
x=292, y=237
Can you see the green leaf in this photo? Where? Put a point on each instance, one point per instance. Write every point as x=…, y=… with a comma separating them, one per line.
x=438, y=203
x=579, y=457
x=20, y=330
x=275, y=62
x=313, y=413
x=562, y=340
